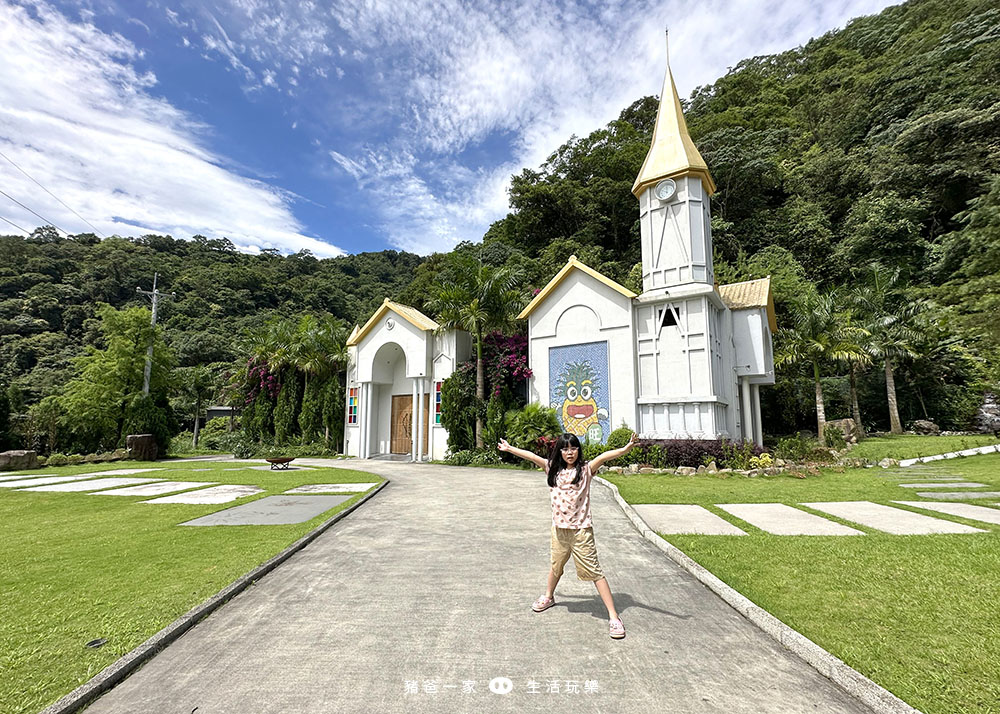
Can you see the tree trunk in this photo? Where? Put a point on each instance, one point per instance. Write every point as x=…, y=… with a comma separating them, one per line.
x=480, y=389
x=890, y=388
x=820, y=409
x=855, y=409
x=197, y=424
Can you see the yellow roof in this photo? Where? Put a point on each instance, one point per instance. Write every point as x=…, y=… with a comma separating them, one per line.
x=750, y=294
x=672, y=153
x=572, y=264
x=410, y=314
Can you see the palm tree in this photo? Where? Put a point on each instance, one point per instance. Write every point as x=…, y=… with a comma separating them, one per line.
x=888, y=318
x=479, y=299
x=817, y=336
x=198, y=384
x=319, y=351
x=863, y=344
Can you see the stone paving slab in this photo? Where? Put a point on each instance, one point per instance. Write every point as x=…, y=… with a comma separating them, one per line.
x=782, y=519
x=95, y=485
x=333, y=488
x=271, y=511
x=950, y=484
x=952, y=495
x=19, y=476
x=156, y=489
x=684, y=519
x=963, y=510
x=889, y=519
x=952, y=455
x=216, y=494
x=40, y=481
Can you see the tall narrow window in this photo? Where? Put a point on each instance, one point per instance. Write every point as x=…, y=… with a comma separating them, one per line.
x=352, y=406
x=437, y=402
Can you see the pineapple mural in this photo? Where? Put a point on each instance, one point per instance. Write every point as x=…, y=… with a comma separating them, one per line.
x=578, y=391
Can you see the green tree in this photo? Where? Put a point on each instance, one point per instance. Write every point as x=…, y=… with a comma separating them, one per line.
x=481, y=300
x=817, y=337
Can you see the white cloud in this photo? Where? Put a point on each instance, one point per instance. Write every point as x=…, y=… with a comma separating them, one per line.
x=77, y=116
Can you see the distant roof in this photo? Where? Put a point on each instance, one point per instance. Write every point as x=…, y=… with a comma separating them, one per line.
x=750, y=294
x=571, y=265
x=410, y=314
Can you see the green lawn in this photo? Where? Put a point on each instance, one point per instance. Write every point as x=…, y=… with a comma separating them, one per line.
x=75, y=567
x=911, y=446
x=917, y=614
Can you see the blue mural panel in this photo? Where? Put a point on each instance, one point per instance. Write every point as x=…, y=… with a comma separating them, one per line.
x=579, y=391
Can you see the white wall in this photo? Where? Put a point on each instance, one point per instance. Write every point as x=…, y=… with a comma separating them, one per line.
x=676, y=236
x=583, y=309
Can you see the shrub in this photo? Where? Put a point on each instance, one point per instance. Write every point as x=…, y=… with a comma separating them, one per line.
x=212, y=434
x=118, y=455
x=619, y=437
x=793, y=448
x=526, y=427
x=74, y=459
x=761, y=462
x=738, y=455
x=91, y=459
x=58, y=460
x=459, y=408
x=485, y=457
x=669, y=453
x=459, y=458
x=42, y=461
x=835, y=438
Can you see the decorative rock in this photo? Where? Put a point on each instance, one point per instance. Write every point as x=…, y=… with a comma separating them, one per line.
x=848, y=428
x=633, y=468
x=647, y=470
x=887, y=463
x=779, y=463
x=702, y=469
x=926, y=428
x=141, y=447
x=17, y=460
x=686, y=471
x=712, y=468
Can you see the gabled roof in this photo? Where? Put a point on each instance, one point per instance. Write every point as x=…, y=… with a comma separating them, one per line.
x=672, y=153
x=750, y=294
x=571, y=265
x=410, y=314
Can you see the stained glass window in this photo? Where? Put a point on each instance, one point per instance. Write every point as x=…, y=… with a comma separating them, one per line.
x=352, y=406
x=437, y=402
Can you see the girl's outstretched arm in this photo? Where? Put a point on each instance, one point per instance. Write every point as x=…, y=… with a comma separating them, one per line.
x=527, y=455
x=611, y=455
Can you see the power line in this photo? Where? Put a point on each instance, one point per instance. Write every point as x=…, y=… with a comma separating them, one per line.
x=47, y=221
x=14, y=224
x=50, y=193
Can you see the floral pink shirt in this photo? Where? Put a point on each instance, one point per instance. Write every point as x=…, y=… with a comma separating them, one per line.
x=571, y=504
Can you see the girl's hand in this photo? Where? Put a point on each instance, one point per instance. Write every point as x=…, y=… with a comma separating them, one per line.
x=503, y=445
x=633, y=442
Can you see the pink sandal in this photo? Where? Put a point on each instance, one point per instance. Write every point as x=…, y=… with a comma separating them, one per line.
x=617, y=629
x=543, y=603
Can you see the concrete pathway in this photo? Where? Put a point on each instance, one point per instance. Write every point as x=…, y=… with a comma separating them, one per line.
x=421, y=597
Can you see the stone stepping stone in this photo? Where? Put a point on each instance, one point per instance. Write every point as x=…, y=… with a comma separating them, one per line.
x=889, y=519
x=332, y=488
x=40, y=481
x=216, y=494
x=156, y=489
x=950, y=484
x=17, y=477
x=680, y=519
x=270, y=511
x=123, y=472
x=201, y=469
x=947, y=496
x=963, y=510
x=781, y=519
x=95, y=485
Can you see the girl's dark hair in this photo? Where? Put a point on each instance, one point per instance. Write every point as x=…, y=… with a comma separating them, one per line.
x=556, y=462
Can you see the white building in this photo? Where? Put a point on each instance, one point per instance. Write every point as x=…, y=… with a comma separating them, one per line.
x=685, y=359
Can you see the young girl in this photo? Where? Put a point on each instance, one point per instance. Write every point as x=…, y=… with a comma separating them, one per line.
x=572, y=532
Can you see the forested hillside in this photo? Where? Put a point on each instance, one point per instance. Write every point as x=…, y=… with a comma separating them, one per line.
x=879, y=143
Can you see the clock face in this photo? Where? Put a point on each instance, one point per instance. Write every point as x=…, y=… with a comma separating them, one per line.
x=665, y=189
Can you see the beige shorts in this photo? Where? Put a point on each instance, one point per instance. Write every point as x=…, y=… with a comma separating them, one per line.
x=578, y=542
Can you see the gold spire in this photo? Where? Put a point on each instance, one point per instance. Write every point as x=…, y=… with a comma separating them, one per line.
x=672, y=153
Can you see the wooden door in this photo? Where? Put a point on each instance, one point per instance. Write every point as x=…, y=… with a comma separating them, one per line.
x=401, y=439
x=427, y=430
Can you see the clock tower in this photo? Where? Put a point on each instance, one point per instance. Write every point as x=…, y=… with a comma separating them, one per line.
x=673, y=188
x=685, y=375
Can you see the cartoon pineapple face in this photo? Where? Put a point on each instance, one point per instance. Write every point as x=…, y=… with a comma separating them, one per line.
x=580, y=414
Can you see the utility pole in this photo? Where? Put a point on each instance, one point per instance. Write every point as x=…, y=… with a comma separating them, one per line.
x=153, y=296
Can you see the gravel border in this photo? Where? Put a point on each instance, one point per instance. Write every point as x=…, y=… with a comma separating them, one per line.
x=866, y=691
x=118, y=670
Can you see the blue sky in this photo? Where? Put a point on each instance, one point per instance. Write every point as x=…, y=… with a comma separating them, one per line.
x=335, y=126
